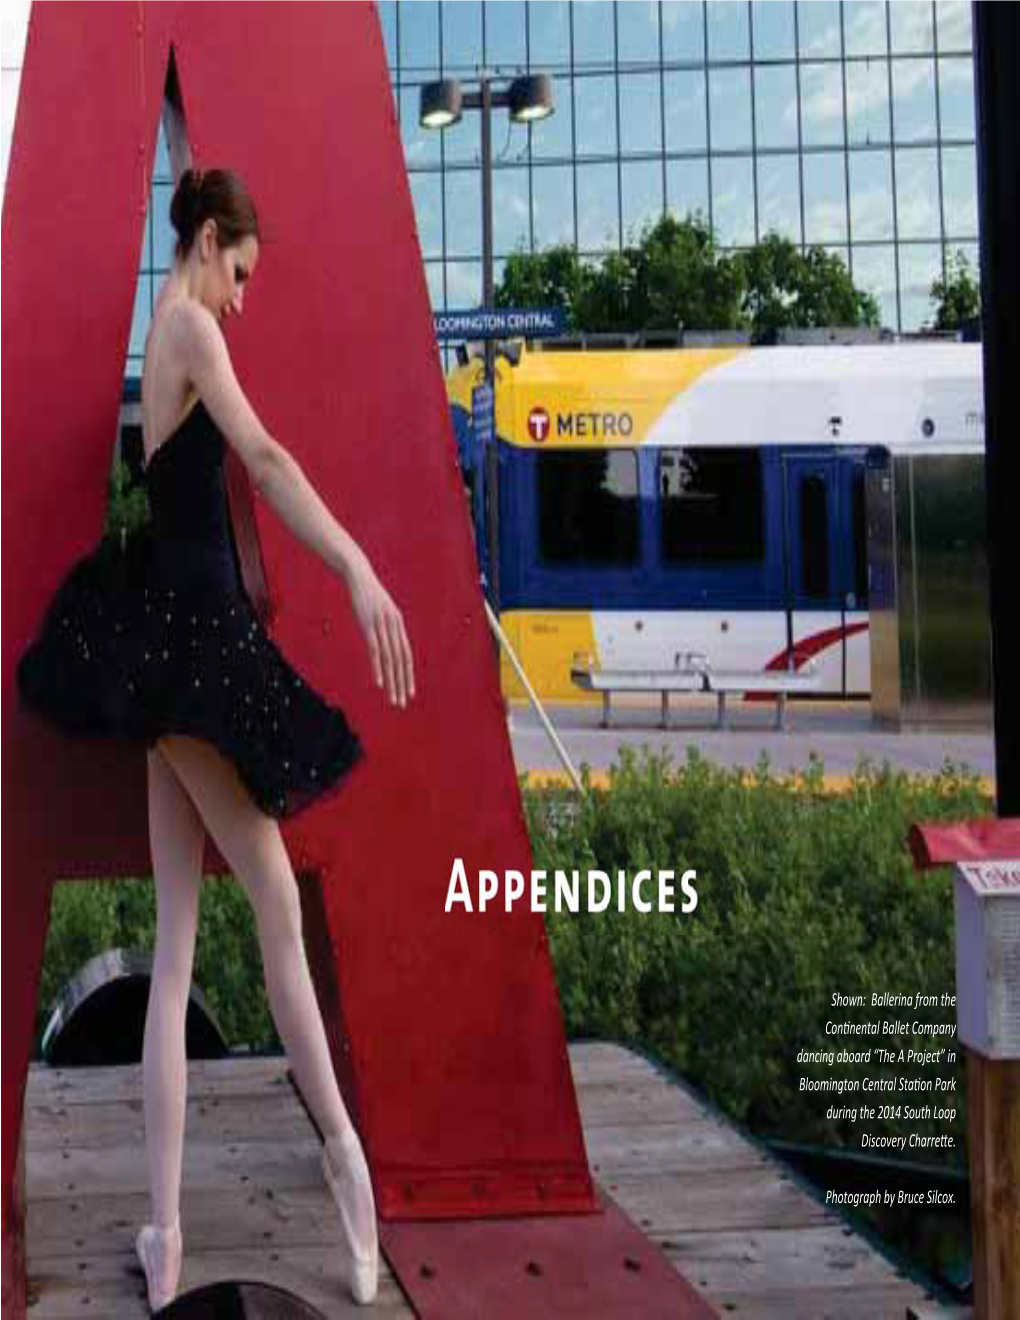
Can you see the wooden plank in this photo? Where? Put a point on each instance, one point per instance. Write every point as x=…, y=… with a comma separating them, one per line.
x=755, y=1260
x=726, y=1214
x=68, y=1288
x=614, y=1149
x=227, y=1119
x=206, y=1077
x=207, y=1166
x=867, y=1302
x=100, y=1224
x=724, y=1201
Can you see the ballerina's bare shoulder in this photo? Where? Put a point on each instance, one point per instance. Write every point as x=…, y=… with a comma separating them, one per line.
x=168, y=396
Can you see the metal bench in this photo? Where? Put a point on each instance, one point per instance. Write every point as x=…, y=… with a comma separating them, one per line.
x=778, y=682
x=692, y=673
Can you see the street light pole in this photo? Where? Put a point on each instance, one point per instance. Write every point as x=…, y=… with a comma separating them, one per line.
x=528, y=98
x=487, y=280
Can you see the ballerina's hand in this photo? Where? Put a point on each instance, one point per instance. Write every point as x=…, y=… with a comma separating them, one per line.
x=383, y=626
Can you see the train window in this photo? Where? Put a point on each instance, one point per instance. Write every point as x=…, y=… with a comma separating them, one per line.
x=588, y=507
x=711, y=505
x=814, y=536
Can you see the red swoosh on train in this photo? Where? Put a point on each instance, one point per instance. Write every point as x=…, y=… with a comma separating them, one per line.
x=805, y=650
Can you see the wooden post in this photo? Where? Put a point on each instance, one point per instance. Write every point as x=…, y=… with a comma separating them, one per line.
x=994, y=1128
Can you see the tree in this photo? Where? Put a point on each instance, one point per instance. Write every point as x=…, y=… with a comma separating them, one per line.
x=957, y=297
x=675, y=277
x=786, y=287
x=543, y=279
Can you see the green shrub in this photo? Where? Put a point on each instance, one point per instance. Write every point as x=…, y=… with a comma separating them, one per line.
x=801, y=893
x=88, y=918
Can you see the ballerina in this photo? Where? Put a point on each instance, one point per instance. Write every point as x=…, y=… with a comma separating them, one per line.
x=236, y=738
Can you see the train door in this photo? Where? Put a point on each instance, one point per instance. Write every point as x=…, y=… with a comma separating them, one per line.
x=815, y=601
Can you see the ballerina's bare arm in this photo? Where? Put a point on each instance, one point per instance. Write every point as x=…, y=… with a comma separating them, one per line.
x=277, y=474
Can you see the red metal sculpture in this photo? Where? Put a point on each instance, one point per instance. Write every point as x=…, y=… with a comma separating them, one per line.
x=445, y=1028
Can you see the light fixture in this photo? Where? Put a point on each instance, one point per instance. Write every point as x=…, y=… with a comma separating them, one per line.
x=440, y=104
x=531, y=98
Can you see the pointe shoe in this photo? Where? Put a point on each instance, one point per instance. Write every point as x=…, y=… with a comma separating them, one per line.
x=347, y=1177
x=160, y=1251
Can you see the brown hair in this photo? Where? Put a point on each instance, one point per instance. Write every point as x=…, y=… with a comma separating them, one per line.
x=218, y=195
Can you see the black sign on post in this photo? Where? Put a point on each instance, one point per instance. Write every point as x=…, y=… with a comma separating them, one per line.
x=501, y=323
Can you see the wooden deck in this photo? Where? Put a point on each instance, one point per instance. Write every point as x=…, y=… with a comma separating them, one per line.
x=254, y=1205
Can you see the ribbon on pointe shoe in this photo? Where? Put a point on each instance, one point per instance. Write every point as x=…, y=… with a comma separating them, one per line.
x=160, y=1250
x=348, y=1179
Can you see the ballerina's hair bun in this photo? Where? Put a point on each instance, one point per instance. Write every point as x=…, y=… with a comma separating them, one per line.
x=218, y=195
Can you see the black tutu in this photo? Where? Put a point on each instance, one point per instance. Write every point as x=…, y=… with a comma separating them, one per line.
x=158, y=636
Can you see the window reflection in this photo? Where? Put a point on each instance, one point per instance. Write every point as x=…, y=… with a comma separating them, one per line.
x=824, y=198
x=141, y=317
x=593, y=34
x=161, y=168
x=548, y=33
x=956, y=97
x=434, y=281
x=428, y=213
x=163, y=236
x=552, y=138
x=818, y=27
x=462, y=36
x=728, y=37
x=463, y=212
x=954, y=25
x=871, y=194
x=598, y=218
x=595, y=115
x=685, y=111
x=917, y=193
x=387, y=10
x=638, y=32
x=867, y=101
x=687, y=187
x=683, y=32
x=772, y=26
x=421, y=145
x=779, y=196
x=552, y=200
x=462, y=142
x=463, y=284
x=775, y=106
x=730, y=95
x=640, y=113
x=920, y=264
x=914, y=100
x=505, y=31
x=733, y=201
x=911, y=28
x=874, y=271
x=821, y=104
x=419, y=37
x=511, y=228
x=864, y=31
x=959, y=191
x=642, y=196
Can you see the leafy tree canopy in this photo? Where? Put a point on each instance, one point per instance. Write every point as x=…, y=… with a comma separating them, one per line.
x=675, y=276
x=957, y=298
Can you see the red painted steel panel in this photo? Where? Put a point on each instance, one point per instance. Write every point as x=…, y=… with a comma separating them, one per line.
x=981, y=840
x=457, y=1059
x=557, y=1268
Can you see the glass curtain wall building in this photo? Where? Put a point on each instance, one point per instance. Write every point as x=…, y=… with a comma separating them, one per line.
x=849, y=125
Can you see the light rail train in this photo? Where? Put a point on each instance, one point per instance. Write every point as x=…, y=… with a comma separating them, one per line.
x=633, y=506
